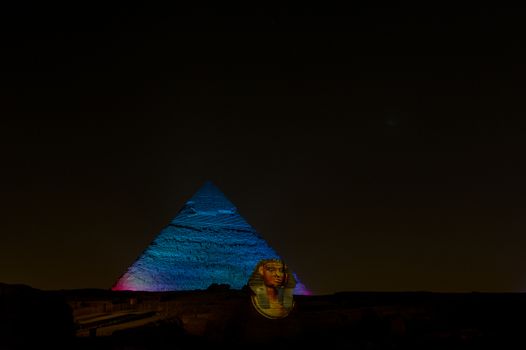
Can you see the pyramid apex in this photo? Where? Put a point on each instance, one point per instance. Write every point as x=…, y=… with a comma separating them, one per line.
x=209, y=198
x=208, y=183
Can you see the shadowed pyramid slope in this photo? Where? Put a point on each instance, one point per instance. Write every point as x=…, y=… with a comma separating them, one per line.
x=207, y=242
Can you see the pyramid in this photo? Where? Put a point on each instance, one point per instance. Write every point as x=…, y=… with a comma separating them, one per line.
x=207, y=242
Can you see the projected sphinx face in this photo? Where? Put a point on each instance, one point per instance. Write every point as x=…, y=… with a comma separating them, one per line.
x=272, y=285
x=273, y=273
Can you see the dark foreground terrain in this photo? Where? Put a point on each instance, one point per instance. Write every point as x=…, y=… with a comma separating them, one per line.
x=101, y=319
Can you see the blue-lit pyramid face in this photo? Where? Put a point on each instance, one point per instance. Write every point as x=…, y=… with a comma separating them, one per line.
x=207, y=242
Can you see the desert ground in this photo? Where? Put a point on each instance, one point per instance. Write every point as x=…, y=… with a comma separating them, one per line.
x=219, y=316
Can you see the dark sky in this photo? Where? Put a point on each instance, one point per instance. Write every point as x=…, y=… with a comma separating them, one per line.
x=376, y=149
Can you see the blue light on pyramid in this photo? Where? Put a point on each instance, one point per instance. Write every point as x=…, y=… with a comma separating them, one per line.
x=207, y=242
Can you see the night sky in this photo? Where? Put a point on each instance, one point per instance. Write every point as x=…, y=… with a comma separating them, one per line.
x=376, y=149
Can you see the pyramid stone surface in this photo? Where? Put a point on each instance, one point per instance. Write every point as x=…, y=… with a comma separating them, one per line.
x=207, y=242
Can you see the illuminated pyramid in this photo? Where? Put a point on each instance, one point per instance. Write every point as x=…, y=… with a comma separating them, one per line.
x=207, y=242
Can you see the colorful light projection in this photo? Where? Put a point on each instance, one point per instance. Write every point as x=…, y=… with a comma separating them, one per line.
x=207, y=242
x=272, y=285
